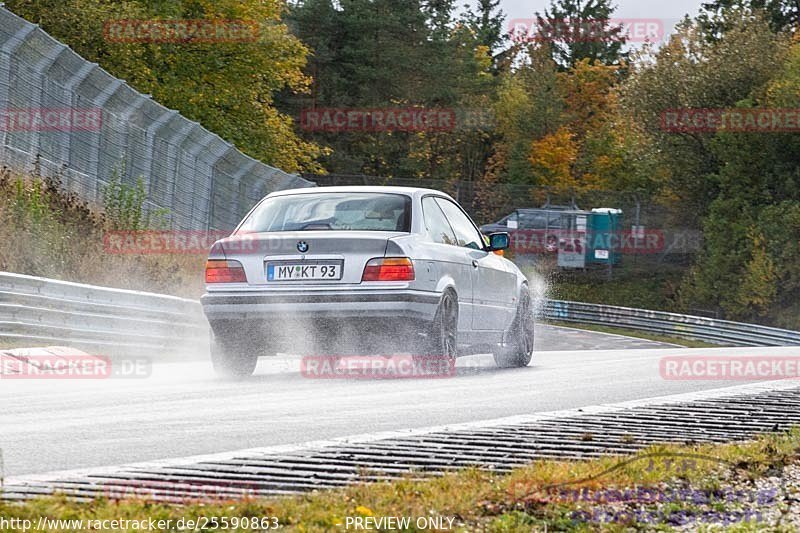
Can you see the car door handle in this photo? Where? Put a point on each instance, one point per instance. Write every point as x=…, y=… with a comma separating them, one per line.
x=475, y=263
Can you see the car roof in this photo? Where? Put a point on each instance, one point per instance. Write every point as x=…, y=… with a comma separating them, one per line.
x=408, y=191
x=561, y=210
x=542, y=209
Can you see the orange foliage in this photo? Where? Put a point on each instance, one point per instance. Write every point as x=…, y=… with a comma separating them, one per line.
x=553, y=157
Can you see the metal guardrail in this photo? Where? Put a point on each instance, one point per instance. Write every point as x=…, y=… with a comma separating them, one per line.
x=97, y=319
x=114, y=321
x=696, y=328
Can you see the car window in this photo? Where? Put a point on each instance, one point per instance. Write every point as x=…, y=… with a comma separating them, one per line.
x=465, y=231
x=331, y=211
x=539, y=220
x=436, y=224
x=531, y=221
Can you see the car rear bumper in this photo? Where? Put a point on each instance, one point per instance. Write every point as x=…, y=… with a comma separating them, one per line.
x=324, y=322
x=361, y=304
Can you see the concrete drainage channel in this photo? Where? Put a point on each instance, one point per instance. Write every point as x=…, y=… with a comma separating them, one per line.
x=715, y=416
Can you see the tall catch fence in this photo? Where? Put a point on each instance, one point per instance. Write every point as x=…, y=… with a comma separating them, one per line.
x=199, y=180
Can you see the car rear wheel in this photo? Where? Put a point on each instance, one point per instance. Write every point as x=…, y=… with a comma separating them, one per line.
x=231, y=359
x=443, y=336
x=440, y=347
x=519, y=351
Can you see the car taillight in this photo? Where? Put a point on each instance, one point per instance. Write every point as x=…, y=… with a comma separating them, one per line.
x=389, y=269
x=225, y=272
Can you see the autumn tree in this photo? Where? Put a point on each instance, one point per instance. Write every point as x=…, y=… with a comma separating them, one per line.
x=752, y=230
x=597, y=142
x=228, y=87
x=691, y=72
x=527, y=108
x=553, y=158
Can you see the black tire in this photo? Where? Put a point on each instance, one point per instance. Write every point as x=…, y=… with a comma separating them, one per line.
x=232, y=360
x=519, y=351
x=442, y=338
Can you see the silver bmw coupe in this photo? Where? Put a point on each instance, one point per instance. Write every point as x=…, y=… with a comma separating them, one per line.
x=364, y=270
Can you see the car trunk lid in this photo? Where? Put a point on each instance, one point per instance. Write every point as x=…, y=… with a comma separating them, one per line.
x=351, y=250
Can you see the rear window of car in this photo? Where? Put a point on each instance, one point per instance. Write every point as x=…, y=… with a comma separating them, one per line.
x=331, y=212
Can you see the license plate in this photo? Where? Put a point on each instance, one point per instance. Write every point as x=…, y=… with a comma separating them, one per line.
x=304, y=272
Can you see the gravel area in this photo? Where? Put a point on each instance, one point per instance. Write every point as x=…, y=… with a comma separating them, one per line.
x=729, y=501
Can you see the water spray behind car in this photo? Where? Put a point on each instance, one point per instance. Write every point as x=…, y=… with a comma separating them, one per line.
x=539, y=288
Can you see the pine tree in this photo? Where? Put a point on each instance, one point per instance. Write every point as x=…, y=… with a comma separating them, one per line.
x=487, y=24
x=440, y=17
x=581, y=29
x=387, y=54
x=782, y=14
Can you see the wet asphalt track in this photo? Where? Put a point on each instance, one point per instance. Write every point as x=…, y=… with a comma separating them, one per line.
x=182, y=409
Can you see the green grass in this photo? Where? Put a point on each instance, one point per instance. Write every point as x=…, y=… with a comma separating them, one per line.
x=48, y=232
x=636, y=334
x=646, y=283
x=525, y=500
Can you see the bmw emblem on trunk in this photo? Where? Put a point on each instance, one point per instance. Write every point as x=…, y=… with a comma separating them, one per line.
x=302, y=247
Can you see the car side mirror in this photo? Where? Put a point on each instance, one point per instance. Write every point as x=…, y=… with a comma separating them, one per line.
x=499, y=241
